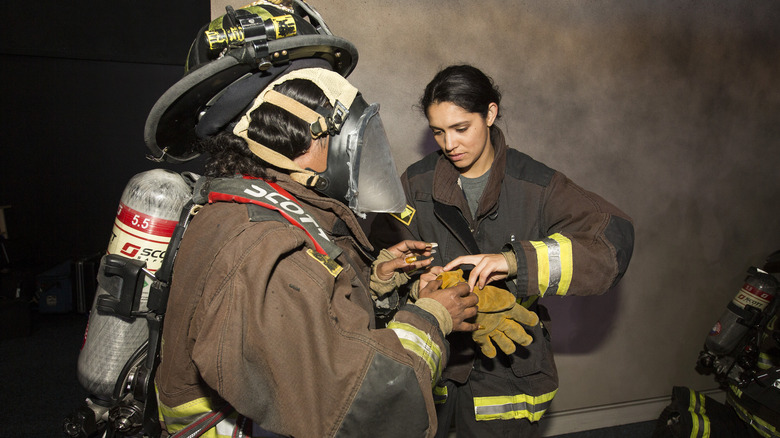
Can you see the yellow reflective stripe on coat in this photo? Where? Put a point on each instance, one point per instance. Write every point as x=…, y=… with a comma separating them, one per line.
x=512, y=407
x=556, y=264
x=419, y=343
x=179, y=417
x=700, y=423
x=440, y=394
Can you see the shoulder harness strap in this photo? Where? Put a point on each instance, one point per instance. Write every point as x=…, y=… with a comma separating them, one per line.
x=271, y=197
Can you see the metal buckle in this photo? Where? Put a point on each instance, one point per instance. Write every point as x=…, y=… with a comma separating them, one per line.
x=340, y=114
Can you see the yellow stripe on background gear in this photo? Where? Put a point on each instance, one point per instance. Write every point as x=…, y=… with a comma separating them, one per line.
x=700, y=426
x=765, y=361
x=419, y=343
x=759, y=425
x=555, y=261
x=700, y=422
x=512, y=407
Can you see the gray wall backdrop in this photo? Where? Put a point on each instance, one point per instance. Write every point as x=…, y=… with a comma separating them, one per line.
x=671, y=110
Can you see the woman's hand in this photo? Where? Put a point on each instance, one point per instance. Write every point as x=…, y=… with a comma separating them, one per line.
x=487, y=268
x=430, y=275
x=410, y=255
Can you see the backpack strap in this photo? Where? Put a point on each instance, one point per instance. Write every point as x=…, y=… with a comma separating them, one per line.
x=271, y=197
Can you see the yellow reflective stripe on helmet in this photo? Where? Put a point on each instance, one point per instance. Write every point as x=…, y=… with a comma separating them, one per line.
x=419, y=343
x=700, y=423
x=512, y=407
x=555, y=264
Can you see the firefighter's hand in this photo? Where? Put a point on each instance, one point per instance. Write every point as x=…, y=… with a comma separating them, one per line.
x=487, y=268
x=407, y=256
x=430, y=274
x=460, y=302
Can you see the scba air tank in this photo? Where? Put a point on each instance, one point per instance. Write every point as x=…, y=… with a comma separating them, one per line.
x=757, y=292
x=148, y=212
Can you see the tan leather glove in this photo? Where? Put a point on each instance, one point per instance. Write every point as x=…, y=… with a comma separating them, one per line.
x=499, y=317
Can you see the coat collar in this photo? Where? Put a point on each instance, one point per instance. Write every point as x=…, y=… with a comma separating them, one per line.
x=445, y=180
x=331, y=214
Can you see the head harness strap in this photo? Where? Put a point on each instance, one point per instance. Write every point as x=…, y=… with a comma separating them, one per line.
x=340, y=94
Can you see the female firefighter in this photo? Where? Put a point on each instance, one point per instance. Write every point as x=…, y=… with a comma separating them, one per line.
x=514, y=223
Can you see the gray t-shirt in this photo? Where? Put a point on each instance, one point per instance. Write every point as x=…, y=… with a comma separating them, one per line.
x=473, y=188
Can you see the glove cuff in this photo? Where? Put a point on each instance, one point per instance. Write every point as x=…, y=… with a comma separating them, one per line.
x=438, y=311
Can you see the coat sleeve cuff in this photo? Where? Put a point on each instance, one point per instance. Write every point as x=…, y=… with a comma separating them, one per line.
x=520, y=278
x=438, y=311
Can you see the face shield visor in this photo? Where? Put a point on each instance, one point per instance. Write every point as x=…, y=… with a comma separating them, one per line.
x=360, y=169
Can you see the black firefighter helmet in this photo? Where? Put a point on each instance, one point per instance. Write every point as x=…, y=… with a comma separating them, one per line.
x=232, y=59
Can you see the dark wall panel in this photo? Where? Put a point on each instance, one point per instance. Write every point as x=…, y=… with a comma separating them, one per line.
x=73, y=137
x=149, y=32
x=78, y=81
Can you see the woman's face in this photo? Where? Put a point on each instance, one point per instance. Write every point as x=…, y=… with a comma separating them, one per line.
x=463, y=136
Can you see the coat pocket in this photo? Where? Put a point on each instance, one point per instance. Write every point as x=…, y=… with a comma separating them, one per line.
x=536, y=357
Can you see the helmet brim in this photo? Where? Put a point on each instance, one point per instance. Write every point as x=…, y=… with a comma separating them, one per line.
x=171, y=127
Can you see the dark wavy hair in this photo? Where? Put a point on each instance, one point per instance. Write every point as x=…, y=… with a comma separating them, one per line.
x=463, y=85
x=271, y=126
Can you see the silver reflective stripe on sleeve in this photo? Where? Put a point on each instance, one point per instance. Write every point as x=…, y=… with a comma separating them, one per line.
x=555, y=264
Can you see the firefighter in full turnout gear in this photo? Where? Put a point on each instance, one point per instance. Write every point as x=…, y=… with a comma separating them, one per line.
x=524, y=228
x=742, y=351
x=269, y=329
x=269, y=325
